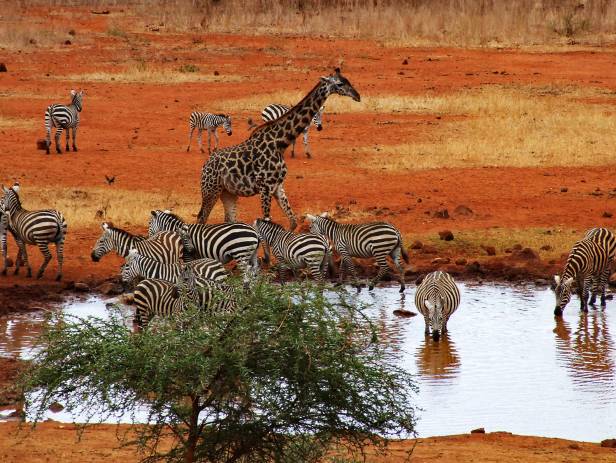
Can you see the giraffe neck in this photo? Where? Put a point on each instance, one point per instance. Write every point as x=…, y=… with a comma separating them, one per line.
x=286, y=128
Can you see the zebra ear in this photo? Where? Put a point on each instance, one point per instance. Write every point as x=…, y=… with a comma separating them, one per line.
x=324, y=214
x=105, y=226
x=132, y=252
x=429, y=305
x=5, y=189
x=153, y=213
x=568, y=281
x=556, y=280
x=167, y=211
x=15, y=187
x=310, y=217
x=73, y=92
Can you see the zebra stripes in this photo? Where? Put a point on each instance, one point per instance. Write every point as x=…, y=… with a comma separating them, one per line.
x=377, y=239
x=437, y=298
x=34, y=227
x=295, y=251
x=153, y=297
x=209, y=122
x=588, y=265
x=64, y=117
x=138, y=266
x=164, y=247
x=275, y=111
x=224, y=242
x=4, y=226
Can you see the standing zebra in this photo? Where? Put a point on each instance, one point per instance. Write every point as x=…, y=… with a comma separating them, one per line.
x=138, y=266
x=295, y=251
x=209, y=122
x=274, y=111
x=588, y=265
x=34, y=227
x=64, y=117
x=154, y=297
x=4, y=226
x=437, y=297
x=164, y=247
x=224, y=242
x=377, y=239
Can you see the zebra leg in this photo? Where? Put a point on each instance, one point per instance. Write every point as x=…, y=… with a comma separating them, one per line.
x=283, y=202
x=315, y=266
x=190, y=135
x=395, y=255
x=306, y=145
x=383, y=268
x=48, y=130
x=427, y=324
x=603, y=283
x=348, y=262
x=68, y=136
x=58, y=135
x=43, y=246
x=74, y=139
x=60, y=254
x=209, y=141
x=583, y=295
x=229, y=202
x=200, y=139
x=22, y=258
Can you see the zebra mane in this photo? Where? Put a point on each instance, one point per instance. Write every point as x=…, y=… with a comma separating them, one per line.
x=121, y=231
x=267, y=124
x=174, y=216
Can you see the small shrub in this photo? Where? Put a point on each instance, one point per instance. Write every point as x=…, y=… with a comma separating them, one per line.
x=188, y=68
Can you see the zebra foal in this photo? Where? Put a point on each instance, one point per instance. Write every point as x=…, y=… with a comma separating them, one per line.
x=164, y=246
x=588, y=266
x=210, y=123
x=376, y=239
x=437, y=298
x=64, y=117
x=274, y=111
x=33, y=227
x=294, y=251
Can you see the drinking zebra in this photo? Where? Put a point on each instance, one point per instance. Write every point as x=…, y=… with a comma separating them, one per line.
x=153, y=297
x=4, y=227
x=64, y=117
x=294, y=251
x=224, y=242
x=274, y=111
x=588, y=266
x=33, y=227
x=138, y=266
x=377, y=239
x=437, y=298
x=164, y=247
x=209, y=122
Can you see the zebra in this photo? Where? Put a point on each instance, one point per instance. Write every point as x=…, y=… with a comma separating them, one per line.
x=376, y=239
x=34, y=227
x=291, y=250
x=138, y=266
x=224, y=242
x=164, y=247
x=274, y=111
x=4, y=227
x=588, y=265
x=437, y=298
x=153, y=297
x=209, y=122
x=64, y=117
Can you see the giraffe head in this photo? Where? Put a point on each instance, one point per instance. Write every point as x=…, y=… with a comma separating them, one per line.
x=337, y=83
x=563, y=293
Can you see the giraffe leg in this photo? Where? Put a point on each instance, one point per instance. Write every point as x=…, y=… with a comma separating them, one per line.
x=293, y=149
x=75, y=139
x=58, y=135
x=190, y=135
x=283, y=202
x=383, y=268
x=43, y=246
x=229, y=201
x=210, y=191
x=266, y=201
x=306, y=145
x=209, y=140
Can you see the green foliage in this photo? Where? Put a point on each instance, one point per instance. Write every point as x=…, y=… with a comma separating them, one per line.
x=288, y=378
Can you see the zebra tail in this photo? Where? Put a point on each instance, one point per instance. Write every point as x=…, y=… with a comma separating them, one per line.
x=405, y=255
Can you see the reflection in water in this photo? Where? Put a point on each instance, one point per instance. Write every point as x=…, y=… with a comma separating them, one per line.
x=19, y=332
x=588, y=353
x=438, y=360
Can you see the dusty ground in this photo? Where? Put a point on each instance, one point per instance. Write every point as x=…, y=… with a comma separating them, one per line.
x=57, y=442
x=137, y=132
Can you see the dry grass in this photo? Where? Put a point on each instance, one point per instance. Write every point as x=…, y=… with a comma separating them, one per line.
x=23, y=36
x=507, y=127
x=125, y=208
x=14, y=123
x=145, y=74
x=470, y=242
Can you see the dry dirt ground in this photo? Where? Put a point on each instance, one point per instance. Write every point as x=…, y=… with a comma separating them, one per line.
x=134, y=127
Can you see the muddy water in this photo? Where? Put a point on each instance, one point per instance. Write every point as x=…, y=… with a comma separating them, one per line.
x=506, y=364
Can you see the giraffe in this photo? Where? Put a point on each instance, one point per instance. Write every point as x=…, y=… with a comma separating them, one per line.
x=256, y=166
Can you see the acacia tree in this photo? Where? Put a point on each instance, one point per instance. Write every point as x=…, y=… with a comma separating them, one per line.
x=289, y=377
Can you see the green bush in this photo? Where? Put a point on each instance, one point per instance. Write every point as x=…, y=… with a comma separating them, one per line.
x=290, y=377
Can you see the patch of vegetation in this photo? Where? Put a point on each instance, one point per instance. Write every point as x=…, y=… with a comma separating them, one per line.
x=290, y=377
x=188, y=68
